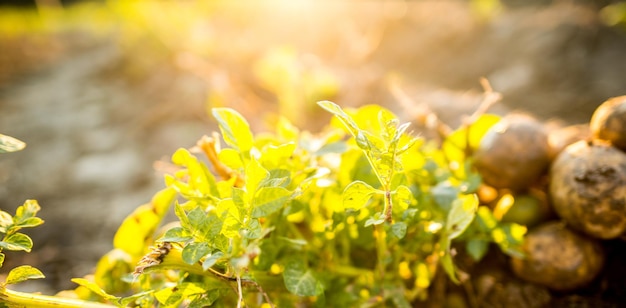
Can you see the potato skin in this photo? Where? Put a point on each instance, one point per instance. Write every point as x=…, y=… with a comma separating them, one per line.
x=608, y=122
x=562, y=137
x=559, y=258
x=588, y=188
x=513, y=154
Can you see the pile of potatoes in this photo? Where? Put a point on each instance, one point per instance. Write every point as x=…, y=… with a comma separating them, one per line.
x=573, y=181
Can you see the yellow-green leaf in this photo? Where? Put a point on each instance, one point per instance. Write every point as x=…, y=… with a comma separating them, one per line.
x=269, y=200
x=10, y=144
x=461, y=215
x=110, y=269
x=17, y=242
x=140, y=225
x=23, y=273
x=300, y=280
x=235, y=129
x=255, y=174
x=357, y=194
x=93, y=287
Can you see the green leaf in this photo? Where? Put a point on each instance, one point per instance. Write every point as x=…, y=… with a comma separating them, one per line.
x=207, y=300
x=176, y=234
x=252, y=230
x=362, y=141
x=336, y=147
x=357, y=194
x=269, y=200
x=510, y=237
x=202, y=225
x=377, y=219
x=446, y=259
x=444, y=194
x=1, y=259
x=342, y=116
x=477, y=248
x=127, y=301
x=10, y=144
x=17, y=242
x=30, y=222
x=396, y=292
x=486, y=220
x=461, y=215
x=299, y=279
x=399, y=229
x=211, y=259
x=23, y=273
x=235, y=129
x=172, y=296
x=232, y=219
x=193, y=252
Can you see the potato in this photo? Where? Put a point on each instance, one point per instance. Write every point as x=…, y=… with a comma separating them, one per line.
x=513, y=154
x=559, y=258
x=608, y=122
x=562, y=137
x=588, y=188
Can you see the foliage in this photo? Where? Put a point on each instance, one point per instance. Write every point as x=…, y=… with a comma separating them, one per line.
x=362, y=214
x=12, y=239
x=10, y=144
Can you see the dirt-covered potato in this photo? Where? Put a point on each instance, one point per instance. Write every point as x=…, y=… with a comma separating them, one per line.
x=559, y=258
x=588, y=188
x=513, y=154
x=608, y=122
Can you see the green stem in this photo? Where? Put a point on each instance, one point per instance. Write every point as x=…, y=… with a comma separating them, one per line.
x=350, y=271
x=381, y=249
x=16, y=299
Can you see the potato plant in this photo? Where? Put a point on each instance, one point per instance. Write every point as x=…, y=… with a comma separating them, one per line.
x=362, y=214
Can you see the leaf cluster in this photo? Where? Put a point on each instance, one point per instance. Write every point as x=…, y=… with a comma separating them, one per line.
x=361, y=214
x=13, y=240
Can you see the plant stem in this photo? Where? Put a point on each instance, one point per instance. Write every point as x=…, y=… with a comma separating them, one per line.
x=350, y=271
x=381, y=249
x=16, y=299
x=388, y=210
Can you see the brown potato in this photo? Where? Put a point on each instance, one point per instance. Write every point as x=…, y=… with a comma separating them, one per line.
x=559, y=258
x=562, y=137
x=513, y=154
x=588, y=188
x=608, y=122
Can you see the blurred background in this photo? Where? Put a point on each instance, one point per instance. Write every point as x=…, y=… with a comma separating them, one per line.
x=101, y=91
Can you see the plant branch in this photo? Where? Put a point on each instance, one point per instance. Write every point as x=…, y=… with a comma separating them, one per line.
x=15, y=299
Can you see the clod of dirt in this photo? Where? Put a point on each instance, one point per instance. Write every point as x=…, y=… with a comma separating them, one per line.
x=559, y=258
x=588, y=188
x=608, y=122
x=514, y=153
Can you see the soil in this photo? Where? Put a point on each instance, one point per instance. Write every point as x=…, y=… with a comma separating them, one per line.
x=101, y=115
